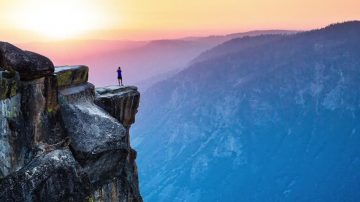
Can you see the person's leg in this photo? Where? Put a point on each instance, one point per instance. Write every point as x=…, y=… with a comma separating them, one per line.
x=119, y=81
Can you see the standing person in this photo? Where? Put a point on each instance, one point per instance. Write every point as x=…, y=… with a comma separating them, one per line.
x=119, y=76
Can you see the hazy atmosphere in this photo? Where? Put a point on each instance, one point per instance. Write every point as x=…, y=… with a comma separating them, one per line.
x=184, y=101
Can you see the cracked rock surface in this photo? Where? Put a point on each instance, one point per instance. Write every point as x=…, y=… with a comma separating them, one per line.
x=58, y=140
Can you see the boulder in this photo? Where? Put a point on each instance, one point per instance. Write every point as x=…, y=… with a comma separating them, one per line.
x=98, y=140
x=92, y=131
x=29, y=65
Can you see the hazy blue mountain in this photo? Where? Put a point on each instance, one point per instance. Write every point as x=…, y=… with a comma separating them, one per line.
x=236, y=45
x=155, y=60
x=144, y=62
x=218, y=39
x=270, y=118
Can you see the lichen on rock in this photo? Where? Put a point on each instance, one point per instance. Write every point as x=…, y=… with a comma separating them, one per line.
x=8, y=84
x=71, y=75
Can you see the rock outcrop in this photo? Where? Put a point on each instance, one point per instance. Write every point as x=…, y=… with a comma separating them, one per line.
x=60, y=139
x=30, y=65
x=121, y=103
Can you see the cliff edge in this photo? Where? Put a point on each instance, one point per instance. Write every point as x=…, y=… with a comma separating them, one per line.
x=60, y=138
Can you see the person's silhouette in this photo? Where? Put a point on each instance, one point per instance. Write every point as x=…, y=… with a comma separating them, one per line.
x=119, y=76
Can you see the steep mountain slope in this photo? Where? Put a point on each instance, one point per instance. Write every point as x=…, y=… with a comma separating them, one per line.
x=278, y=120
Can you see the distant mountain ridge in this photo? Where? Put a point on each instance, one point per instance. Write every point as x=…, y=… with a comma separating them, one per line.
x=265, y=118
x=242, y=34
x=143, y=62
x=237, y=44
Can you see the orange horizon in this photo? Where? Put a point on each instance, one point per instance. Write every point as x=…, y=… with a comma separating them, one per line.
x=139, y=20
x=136, y=35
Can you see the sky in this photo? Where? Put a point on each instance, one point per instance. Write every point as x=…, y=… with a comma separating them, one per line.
x=44, y=20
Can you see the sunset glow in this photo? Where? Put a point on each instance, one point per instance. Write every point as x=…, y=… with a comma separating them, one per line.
x=33, y=20
x=58, y=19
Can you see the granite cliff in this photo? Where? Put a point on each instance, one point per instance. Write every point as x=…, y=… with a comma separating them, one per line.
x=60, y=138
